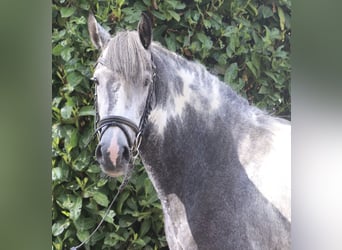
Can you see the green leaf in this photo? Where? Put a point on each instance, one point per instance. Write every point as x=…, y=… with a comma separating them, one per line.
x=60, y=174
x=74, y=78
x=271, y=75
x=83, y=224
x=66, y=54
x=57, y=50
x=265, y=11
x=207, y=23
x=174, y=15
x=113, y=239
x=67, y=12
x=120, y=3
x=171, y=42
x=176, y=4
x=231, y=73
x=239, y=86
x=100, y=198
x=94, y=169
x=101, y=182
x=59, y=227
x=145, y=227
x=86, y=111
x=140, y=242
x=123, y=196
x=253, y=8
x=72, y=203
x=158, y=15
x=75, y=211
x=222, y=60
x=252, y=68
x=110, y=216
x=205, y=40
x=126, y=221
x=66, y=111
x=263, y=90
x=281, y=18
x=82, y=235
x=71, y=140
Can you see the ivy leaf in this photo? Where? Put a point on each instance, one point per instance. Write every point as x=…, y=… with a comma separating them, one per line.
x=145, y=227
x=281, y=18
x=171, y=42
x=252, y=68
x=59, y=227
x=66, y=53
x=265, y=11
x=205, y=40
x=231, y=73
x=82, y=235
x=263, y=90
x=71, y=139
x=67, y=12
x=60, y=174
x=110, y=216
x=83, y=224
x=86, y=111
x=74, y=78
x=174, y=15
x=123, y=196
x=75, y=210
x=100, y=198
x=66, y=111
x=72, y=203
x=113, y=239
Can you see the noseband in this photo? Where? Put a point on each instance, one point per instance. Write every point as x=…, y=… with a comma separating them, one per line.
x=121, y=122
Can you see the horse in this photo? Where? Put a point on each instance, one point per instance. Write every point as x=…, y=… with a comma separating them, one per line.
x=220, y=166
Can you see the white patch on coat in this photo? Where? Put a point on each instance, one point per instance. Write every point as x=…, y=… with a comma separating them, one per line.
x=175, y=109
x=215, y=97
x=159, y=118
x=177, y=229
x=272, y=176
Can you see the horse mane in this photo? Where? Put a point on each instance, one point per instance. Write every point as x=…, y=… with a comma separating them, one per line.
x=166, y=60
x=127, y=57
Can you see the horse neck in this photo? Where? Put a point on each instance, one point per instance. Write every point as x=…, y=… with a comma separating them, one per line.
x=191, y=125
x=184, y=87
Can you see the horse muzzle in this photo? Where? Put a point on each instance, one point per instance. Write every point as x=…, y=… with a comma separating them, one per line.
x=112, y=152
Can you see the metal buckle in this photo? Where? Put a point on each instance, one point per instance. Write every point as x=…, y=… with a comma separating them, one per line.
x=136, y=145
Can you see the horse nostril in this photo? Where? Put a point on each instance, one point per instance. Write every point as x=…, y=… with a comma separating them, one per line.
x=98, y=153
x=125, y=153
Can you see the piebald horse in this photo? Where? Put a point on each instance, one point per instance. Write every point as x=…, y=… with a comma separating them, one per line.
x=221, y=167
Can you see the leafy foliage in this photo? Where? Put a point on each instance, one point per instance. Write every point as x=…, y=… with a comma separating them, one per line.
x=245, y=42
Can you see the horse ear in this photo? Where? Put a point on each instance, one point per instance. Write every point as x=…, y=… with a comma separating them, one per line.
x=98, y=35
x=145, y=30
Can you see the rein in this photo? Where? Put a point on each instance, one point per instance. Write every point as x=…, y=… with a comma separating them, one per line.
x=118, y=121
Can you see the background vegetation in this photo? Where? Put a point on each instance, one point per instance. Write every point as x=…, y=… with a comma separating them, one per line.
x=245, y=42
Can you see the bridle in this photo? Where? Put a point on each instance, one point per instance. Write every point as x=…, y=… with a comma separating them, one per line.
x=101, y=125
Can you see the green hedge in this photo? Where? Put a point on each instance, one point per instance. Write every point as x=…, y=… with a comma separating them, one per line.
x=244, y=42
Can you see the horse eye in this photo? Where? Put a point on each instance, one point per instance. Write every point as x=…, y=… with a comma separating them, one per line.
x=94, y=79
x=146, y=82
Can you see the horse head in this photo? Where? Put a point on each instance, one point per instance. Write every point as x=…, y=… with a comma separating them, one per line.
x=123, y=77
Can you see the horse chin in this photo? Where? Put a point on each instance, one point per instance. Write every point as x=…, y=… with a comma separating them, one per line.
x=118, y=171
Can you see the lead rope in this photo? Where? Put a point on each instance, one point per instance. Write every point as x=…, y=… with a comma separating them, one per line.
x=120, y=189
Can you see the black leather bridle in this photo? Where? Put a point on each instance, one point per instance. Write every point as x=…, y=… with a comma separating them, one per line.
x=101, y=125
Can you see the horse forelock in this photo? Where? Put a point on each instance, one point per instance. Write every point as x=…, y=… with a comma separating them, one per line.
x=126, y=56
